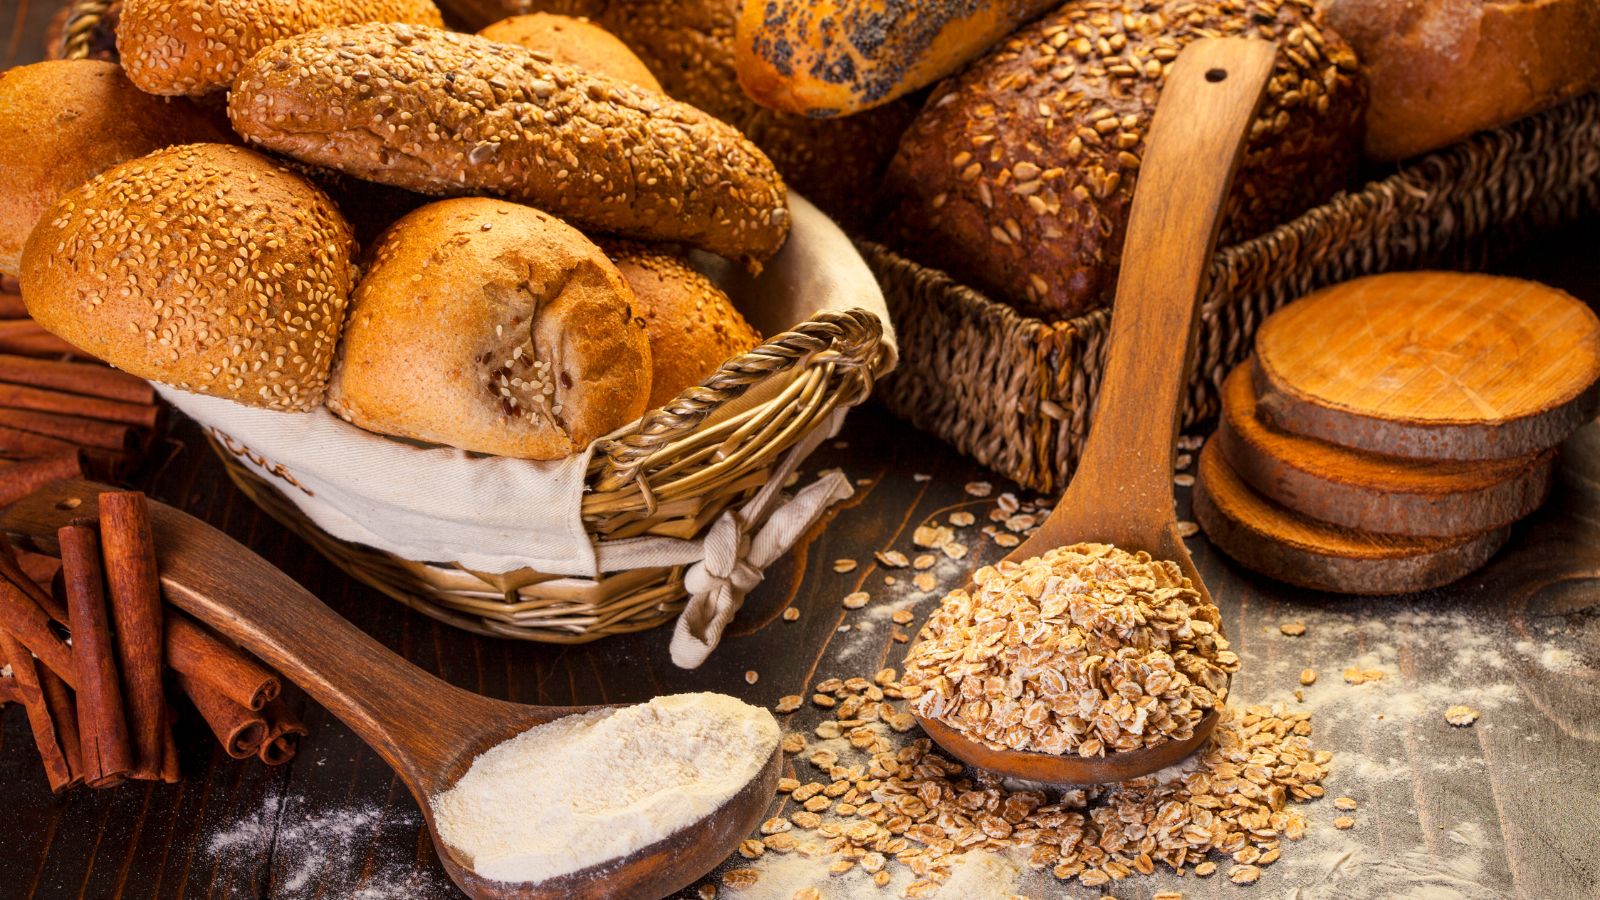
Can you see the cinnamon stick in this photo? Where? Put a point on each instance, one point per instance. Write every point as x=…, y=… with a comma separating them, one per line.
x=103, y=727
x=11, y=306
x=21, y=445
x=197, y=653
x=21, y=568
x=92, y=379
x=20, y=479
x=9, y=692
x=113, y=436
x=28, y=624
x=241, y=730
x=26, y=675
x=130, y=567
x=13, y=396
x=26, y=337
x=170, y=773
x=63, y=712
x=284, y=730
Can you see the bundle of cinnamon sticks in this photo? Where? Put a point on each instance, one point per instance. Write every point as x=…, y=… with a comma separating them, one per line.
x=88, y=642
x=63, y=414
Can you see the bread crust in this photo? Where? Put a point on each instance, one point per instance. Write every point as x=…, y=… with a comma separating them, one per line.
x=70, y=121
x=693, y=327
x=1443, y=69
x=208, y=267
x=1018, y=174
x=575, y=41
x=826, y=58
x=197, y=46
x=447, y=113
x=493, y=327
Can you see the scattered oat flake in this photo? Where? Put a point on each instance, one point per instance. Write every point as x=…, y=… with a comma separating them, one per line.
x=740, y=878
x=1183, y=460
x=1184, y=479
x=1007, y=540
x=930, y=536
x=1292, y=629
x=921, y=477
x=1344, y=823
x=1206, y=868
x=1308, y=676
x=1187, y=528
x=1356, y=675
x=962, y=519
x=794, y=743
x=1461, y=716
x=924, y=581
x=844, y=565
x=857, y=599
x=752, y=676
x=894, y=559
x=979, y=488
x=1168, y=895
x=787, y=704
x=902, y=617
x=791, y=614
x=1244, y=874
x=707, y=891
x=1348, y=804
x=890, y=580
x=1019, y=522
x=1299, y=695
x=924, y=561
x=809, y=893
x=954, y=549
x=751, y=848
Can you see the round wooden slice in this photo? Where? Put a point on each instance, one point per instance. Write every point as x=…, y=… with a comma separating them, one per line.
x=1367, y=492
x=1281, y=544
x=1431, y=365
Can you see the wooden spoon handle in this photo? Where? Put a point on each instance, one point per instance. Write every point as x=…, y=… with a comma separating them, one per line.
x=1195, y=142
x=383, y=698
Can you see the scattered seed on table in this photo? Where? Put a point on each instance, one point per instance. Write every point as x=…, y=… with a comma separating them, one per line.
x=890, y=580
x=921, y=477
x=962, y=519
x=844, y=565
x=752, y=676
x=857, y=599
x=1299, y=695
x=791, y=614
x=1187, y=528
x=894, y=559
x=979, y=488
x=1348, y=804
x=1184, y=479
x=1308, y=676
x=1461, y=716
x=787, y=704
x=1344, y=823
x=1292, y=629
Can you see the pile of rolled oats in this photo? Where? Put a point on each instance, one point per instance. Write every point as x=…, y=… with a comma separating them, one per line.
x=874, y=801
x=1087, y=649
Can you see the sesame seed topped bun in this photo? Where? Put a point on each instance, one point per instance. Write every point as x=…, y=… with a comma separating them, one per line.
x=205, y=266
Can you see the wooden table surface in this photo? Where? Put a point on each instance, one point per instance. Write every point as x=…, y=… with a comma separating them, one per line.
x=1507, y=807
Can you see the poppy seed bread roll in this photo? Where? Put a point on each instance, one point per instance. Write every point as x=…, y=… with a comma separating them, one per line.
x=574, y=41
x=197, y=46
x=492, y=327
x=206, y=266
x=446, y=113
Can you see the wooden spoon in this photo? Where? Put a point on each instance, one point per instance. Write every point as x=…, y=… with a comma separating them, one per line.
x=428, y=730
x=1121, y=493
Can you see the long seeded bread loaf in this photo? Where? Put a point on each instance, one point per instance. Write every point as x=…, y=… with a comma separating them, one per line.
x=1017, y=175
x=446, y=113
x=198, y=46
x=208, y=267
x=493, y=327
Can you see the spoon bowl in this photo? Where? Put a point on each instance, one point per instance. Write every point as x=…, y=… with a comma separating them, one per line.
x=1121, y=493
x=428, y=730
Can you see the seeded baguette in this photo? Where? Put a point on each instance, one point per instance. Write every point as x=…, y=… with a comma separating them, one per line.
x=492, y=327
x=1018, y=174
x=197, y=46
x=69, y=121
x=574, y=41
x=693, y=327
x=208, y=267
x=447, y=113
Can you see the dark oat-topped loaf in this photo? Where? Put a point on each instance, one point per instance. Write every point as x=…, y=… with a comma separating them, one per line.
x=447, y=113
x=1018, y=174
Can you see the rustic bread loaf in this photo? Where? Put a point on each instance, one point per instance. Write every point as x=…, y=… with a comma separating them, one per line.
x=446, y=113
x=198, y=46
x=1018, y=173
x=206, y=266
x=837, y=57
x=70, y=120
x=1442, y=69
x=575, y=41
x=492, y=327
x=693, y=326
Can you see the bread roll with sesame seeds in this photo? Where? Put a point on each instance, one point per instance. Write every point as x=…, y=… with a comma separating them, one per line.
x=447, y=113
x=492, y=327
x=693, y=327
x=70, y=120
x=575, y=41
x=208, y=267
x=197, y=46
x=1018, y=174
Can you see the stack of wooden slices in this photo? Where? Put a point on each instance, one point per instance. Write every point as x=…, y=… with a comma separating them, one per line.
x=1389, y=430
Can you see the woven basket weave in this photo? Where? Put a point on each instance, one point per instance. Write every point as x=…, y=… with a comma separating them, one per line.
x=671, y=474
x=1017, y=393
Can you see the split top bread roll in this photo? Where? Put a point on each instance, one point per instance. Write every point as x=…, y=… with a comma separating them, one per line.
x=198, y=46
x=446, y=113
x=574, y=41
x=492, y=327
x=70, y=120
x=207, y=267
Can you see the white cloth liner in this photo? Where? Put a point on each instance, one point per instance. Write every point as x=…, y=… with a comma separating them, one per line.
x=496, y=515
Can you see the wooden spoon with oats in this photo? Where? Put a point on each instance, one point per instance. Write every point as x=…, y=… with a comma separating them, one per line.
x=428, y=730
x=1121, y=493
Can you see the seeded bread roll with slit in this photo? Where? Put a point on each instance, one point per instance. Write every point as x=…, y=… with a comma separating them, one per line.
x=208, y=267
x=492, y=327
x=446, y=113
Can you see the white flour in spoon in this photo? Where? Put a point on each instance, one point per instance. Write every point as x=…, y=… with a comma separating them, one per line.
x=593, y=787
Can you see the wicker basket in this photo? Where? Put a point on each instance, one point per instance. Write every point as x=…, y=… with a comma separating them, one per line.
x=1017, y=393
x=670, y=474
